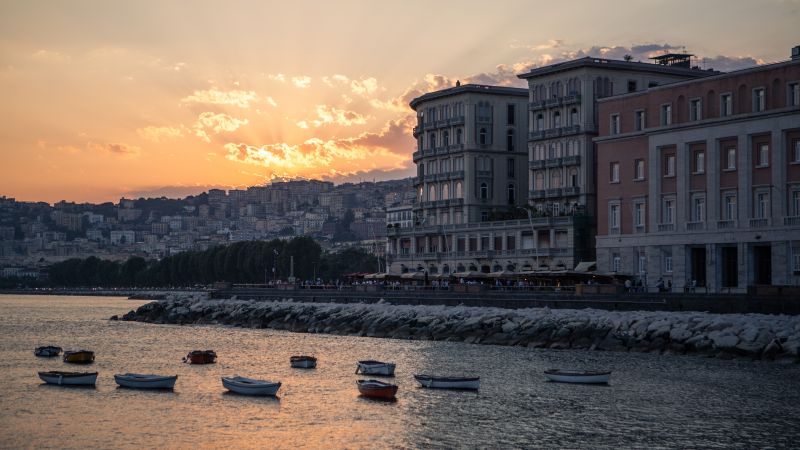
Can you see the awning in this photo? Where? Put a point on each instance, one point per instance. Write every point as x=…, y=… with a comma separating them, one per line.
x=502, y=274
x=588, y=266
x=470, y=274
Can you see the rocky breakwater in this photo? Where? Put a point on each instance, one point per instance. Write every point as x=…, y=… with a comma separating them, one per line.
x=724, y=336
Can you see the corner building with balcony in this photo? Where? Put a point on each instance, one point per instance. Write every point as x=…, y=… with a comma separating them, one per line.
x=699, y=181
x=471, y=175
x=562, y=122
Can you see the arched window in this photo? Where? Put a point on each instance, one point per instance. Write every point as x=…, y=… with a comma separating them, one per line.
x=539, y=181
x=554, y=150
x=432, y=193
x=539, y=152
x=445, y=191
x=482, y=136
x=512, y=194
x=459, y=133
x=459, y=193
x=555, y=179
x=419, y=196
x=556, y=120
x=573, y=116
x=445, y=269
x=573, y=177
x=445, y=139
x=484, y=191
x=539, y=122
x=431, y=141
x=510, y=140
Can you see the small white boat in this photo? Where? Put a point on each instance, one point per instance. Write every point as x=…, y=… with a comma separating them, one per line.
x=249, y=386
x=142, y=381
x=575, y=376
x=370, y=367
x=303, y=362
x=429, y=381
x=69, y=378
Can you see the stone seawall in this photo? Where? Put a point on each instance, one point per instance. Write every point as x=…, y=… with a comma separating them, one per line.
x=733, y=335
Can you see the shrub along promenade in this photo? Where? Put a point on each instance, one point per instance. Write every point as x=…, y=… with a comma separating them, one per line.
x=756, y=336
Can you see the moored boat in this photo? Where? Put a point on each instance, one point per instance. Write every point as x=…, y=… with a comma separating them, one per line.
x=371, y=367
x=142, y=381
x=69, y=378
x=201, y=357
x=376, y=389
x=575, y=376
x=47, y=351
x=429, y=381
x=303, y=362
x=79, y=357
x=249, y=386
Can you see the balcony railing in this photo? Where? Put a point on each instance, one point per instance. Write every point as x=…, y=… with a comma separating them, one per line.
x=794, y=220
x=571, y=190
x=726, y=224
x=666, y=227
x=455, y=147
x=537, y=164
x=537, y=194
x=695, y=226
x=554, y=192
x=573, y=160
x=536, y=135
x=759, y=223
x=458, y=120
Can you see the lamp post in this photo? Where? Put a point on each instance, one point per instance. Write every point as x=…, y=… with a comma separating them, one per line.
x=533, y=234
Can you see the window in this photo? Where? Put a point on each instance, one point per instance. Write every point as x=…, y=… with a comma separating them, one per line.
x=730, y=158
x=699, y=209
x=639, y=210
x=614, y=217
x=668, y=215
x=642, y=262
x=555, y=179
x=539, y=181
x=796, y=261
x=510, y=114
x=615, y=124
x=695, y=109
x=729, y=203
x=445, y=139
x=699, y=162
x=539, y=122
x=795, y=206
x=459, y=136
x=616, y=262
x=484, y=191
x=615, y=172
x=668, y=263
x=510, y=140
x=759, y=100
x=445, y=191
x=763, y=155
x=482, y=136
x=762, y=205
x=794, y=94
x=666, y=114
x=432, y=193
x=458, y=163
x=796, y=151
x=511, y=166
x=631, y=85
x=459, y=193
x=573, y=116
x=512, y=194
x=432, y=141
x=725, y=105
x=573, y=177
x=669, y=166
x=556, y=208
x=556, y=120
x=639, y=120
x=638, y=166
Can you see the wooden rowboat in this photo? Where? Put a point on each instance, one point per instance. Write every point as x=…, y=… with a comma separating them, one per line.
x=79, y=357
x=47, y=351
x=201, y=357
x=141, y=381
x=371, y=367
x=428, y=381
x=69, y=378
x=376, y=389
x=303, y=362
x=249, y=386
x=574, y=376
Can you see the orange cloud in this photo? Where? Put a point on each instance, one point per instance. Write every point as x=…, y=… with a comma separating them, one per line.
x=214, y=96
x=332, y=115
x=301, y=81
x=160, y=134
x=116, y=148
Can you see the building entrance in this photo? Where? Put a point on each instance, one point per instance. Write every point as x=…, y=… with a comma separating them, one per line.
x=698, y=256
x=730, y=267
x=762, y=258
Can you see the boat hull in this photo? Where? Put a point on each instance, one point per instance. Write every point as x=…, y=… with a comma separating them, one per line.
x=578, y=377
x=377, y=389
x=375, y=368
x=137, y=381
x=48, y=351
x=448, y=382
x=247, y=386
x=69, y=378
x=303, y=363
x=79, y=357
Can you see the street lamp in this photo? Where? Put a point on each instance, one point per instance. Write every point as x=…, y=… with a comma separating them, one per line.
x=533, y=234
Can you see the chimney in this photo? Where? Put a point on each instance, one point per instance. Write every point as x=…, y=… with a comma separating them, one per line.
x=796, y=52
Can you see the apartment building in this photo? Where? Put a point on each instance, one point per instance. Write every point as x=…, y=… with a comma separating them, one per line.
x=698, y=181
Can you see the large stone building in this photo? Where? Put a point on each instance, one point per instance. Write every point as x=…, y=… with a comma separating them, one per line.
x=700, y=180
x=562, y=123
x=471, y=172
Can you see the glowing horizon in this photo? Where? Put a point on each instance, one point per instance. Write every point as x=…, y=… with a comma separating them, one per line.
x=103, y=100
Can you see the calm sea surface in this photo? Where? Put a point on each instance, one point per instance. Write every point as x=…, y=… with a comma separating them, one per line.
x=653, y=401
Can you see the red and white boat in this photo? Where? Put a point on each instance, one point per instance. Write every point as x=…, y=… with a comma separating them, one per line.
x=377, y=389
x=201, y=357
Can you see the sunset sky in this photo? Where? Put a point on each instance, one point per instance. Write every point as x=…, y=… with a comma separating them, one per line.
x=103, y=99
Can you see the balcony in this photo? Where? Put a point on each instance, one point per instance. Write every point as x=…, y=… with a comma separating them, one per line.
x=759, y=223
x=429, y=177
x=695, y=226
x=552, y=132
x=440, y=151
x=795, y=220
x=555, y=162
x=573, y=160
x=572, y=129
x=551, y=102
x=535, y=135
x=534, y=165
x=726, y=224
x=554, y=192
x=441, y=123
x=537, y=194
x=416, y=156
x=662, y=227
x=571, y=190
x=459, y=120
x=535, y=106
x=570, y=99
x=417, y=131
x=455, y=147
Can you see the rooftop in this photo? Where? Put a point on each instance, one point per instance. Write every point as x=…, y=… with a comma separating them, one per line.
x=614, y=64
x=469, y=88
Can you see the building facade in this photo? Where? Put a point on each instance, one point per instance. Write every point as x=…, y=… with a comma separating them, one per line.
x=471, y=173
x=562, y=122
x=699, y=181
